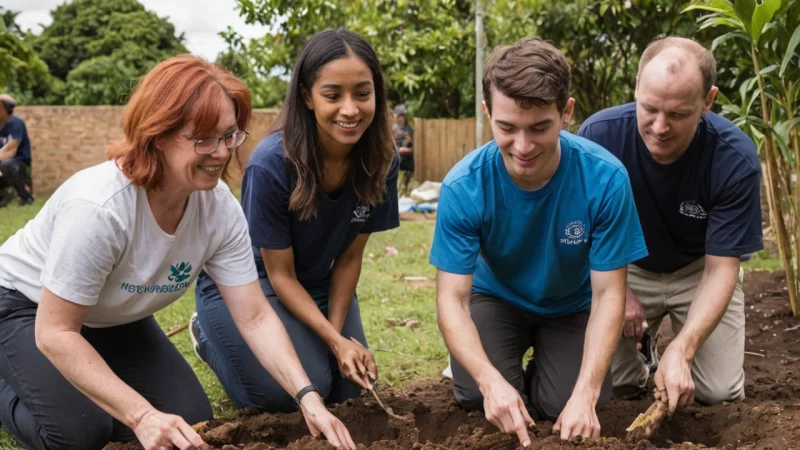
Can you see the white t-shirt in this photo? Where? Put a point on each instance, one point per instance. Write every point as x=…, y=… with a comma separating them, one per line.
x=97, y=243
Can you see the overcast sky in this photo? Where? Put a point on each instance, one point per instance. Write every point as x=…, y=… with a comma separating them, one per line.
x=200, y=20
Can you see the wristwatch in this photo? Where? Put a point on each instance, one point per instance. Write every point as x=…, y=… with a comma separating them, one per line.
x=310, y=388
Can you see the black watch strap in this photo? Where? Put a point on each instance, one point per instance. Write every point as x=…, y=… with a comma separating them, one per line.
x=310, y=388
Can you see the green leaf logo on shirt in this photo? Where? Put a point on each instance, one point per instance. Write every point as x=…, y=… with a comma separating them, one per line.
x=180, y=272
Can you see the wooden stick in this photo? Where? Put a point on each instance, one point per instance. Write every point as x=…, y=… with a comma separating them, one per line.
x=646, y=424
x=755, y=354
x=177, y=330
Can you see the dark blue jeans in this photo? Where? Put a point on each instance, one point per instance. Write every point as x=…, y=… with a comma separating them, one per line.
x=42, y=410
x=243, y=377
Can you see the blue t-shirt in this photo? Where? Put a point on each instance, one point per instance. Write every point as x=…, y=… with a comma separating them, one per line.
x=15, y=129
x=705, y=203
x=317, y=242
x=535, y=249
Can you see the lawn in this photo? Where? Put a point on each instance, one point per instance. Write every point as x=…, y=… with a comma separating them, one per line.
x=403, y=354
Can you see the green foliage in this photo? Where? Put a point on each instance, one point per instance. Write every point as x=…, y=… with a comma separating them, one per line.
x=268, y=90
x=427, y=47
x=765, y=105
x=22, y=73
x=100, y=47
x=602, y=39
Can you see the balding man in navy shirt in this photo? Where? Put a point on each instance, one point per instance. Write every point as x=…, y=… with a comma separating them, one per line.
x=695, y=179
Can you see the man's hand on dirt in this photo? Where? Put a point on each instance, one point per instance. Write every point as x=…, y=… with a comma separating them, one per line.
x=635, y=320
x=320, y=420
x=157, y=430
x=674, y=385
x=356, y=363
x=505, y=408
x=578, y=419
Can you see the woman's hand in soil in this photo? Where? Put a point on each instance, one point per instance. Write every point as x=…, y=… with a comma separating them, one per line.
x=506, y=410
x=578, y=419
x=356, y=363
x=320, y=420
x=673, y=379
x=160, y=431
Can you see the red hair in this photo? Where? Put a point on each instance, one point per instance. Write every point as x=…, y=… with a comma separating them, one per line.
x=180, y=90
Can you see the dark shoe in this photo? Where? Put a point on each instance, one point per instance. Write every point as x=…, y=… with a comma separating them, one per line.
x=194, y=334
x=26, y=201
x=648, y=353
x=5, y=198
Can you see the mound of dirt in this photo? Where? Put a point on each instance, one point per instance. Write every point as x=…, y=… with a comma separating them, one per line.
x=768, y=419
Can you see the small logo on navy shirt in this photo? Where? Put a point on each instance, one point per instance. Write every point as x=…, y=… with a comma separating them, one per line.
x=691, y=209
x=360, y=214
x=575, y=233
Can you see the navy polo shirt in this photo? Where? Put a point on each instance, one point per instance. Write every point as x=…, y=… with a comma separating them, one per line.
x=705, y=203
x=318, y=241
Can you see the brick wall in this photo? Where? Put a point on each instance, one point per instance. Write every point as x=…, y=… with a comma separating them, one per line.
x=66, y=139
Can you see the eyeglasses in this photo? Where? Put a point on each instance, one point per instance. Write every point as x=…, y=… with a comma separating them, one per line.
x=207, y=145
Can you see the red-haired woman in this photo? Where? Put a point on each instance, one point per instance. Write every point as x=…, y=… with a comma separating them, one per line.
x=82, y=360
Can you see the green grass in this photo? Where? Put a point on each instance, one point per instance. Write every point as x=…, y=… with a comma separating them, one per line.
x=402, y=354
x=763, y=260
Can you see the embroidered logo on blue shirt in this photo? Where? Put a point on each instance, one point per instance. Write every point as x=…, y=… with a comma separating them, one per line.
x=574, y=233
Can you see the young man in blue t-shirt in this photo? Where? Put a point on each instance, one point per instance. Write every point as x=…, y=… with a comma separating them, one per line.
x=533, y=236
x=695, y=179
x=15, y=153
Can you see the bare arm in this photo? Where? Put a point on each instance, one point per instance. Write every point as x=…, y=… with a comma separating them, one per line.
x=502, y=403
x=344, y=279
x=673, y=378
x=258, y=323
x=58, y=337
x=602, y=335
x=603, y=330
x=709, y=303
x=354, y=360
x=282, y=277
x=266, y=336
x=458, y=329
x=9, y=150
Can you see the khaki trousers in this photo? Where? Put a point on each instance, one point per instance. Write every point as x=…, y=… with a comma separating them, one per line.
x=717, y=369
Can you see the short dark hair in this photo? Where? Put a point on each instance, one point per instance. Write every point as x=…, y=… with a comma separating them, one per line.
x=531, y=71
x=704, y=58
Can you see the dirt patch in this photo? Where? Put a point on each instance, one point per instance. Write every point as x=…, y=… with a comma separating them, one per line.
x=768, y=419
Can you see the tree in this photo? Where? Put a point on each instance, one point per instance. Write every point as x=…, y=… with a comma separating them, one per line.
x=100, y=47
x=426, y=47
x=22, y=73
x=602, y=39
x=267, y=90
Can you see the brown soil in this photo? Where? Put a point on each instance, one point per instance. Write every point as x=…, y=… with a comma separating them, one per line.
x=768, y=419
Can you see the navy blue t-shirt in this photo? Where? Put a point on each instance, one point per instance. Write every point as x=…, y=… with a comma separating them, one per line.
x=15, y=129
x=317, y=242
x=705, y=203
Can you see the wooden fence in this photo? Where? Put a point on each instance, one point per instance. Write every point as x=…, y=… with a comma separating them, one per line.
x=440, y=143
